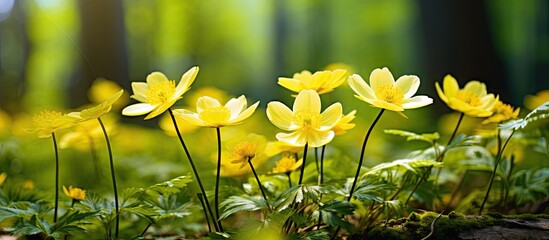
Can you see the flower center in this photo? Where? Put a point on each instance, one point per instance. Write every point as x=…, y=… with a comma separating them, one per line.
x=215, y=115
x=160, y=92
x=307, y=119
x=244, y=150
x=390, y=93
x=469, y=98
x=46, y=118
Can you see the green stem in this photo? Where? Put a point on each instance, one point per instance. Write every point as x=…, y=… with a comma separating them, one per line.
x=217, y=175
x=56, y=207
x=259, y=183
x=321, y=181
x=217, y=228
x=304, y=161
x=112, y=176
x=439, y=158
x=362, y=151
x=361, y=159
x=498, y=159
x=289, y=179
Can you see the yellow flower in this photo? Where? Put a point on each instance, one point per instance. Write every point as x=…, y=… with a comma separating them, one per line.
x=384, y=92
x=343, y=125
x=233, y=170
x=502, y=113
x=287, y=164
x=532, y=102
x=3, y=177
x=209, y=91
x=472, y=100
x=102, y=90
x=274, y=148
x=251, y=146
x=28, y=184
x=75, y=193
x=321, y=81
x=210, y=113
x=85, y=134
x=158, y=94
x=47, y=122
x=99, y=110
x=307, y=124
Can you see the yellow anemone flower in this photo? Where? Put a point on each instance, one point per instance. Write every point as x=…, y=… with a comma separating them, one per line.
x=502, y=113
x=533, y=102
x=384, y=92
x=210, y=113
x=75, y=193
x=307, y=124
x=344, y=124
x=287, y=164
x=251, y=146
x=3, y=177
x=472, y=100
x=47, y=122
x=158, y=93
x=99, y=110
x=321, y=81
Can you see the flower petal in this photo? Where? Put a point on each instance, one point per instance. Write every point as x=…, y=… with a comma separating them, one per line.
x=450, y=85
x=139, y=91
x=330, y=116
x=441, y=94
x=476, y=88
x=206, y=102
x=361, y=88
x=380, y=77
x=291, y=84
x=161, y=108
x=320, y=138
x=416, y=102
x=408, y=84
x=245, y=114
x=137, y=109
x=185, y=82
x=281, y=116
x=189, y=117
x=297, y=138
x=307, y=100
x=236, y=105
x=155, y=78
x=387, y=105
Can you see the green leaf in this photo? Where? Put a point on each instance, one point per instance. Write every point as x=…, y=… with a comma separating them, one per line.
x=241, y=203
x=409, y=164
x=170, y=187
x=534, y=119
x=372, y=188
x=411, y=136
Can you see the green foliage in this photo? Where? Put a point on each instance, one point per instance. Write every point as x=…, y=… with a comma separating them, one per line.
x=411, y=136
x=236, y=204
x=532, y=120
x=530, y=185
x=408, y=164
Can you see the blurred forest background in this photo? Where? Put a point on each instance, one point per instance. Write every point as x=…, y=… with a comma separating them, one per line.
x=52, y=50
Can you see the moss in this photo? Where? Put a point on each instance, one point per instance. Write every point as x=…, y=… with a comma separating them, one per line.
x=528, y=216
x=417, y=226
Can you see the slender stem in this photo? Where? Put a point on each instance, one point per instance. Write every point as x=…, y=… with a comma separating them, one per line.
x=216, y=196
x=112, y=176
x=498, y=159
x=259, y=183
x=289, y=179
x=439, y=158
x=145, y=230
x=304, y=161
x=316, y=161
x=217, y=228
x=199, y=195
x=362, y=151
x=361, y=159
x=321, y=181
x=56, y=178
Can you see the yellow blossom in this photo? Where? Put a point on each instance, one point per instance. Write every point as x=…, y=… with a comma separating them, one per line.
x=75, y=193
x=47, y=122
x=287, y=164
x=532, y=102
x=158, y=93
x=472, y=100
x=233, y=170
x=502, y=113
x=85, y=134
x=28, y=184
x=344, y=124
x=213, y=92
x=210, y=113
x=102, y=90
x=274, y=148
x=306, y=123
x=3, y=177
x=321, y=81
x=251, y=146
x=384, y=92
x=98, y=110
